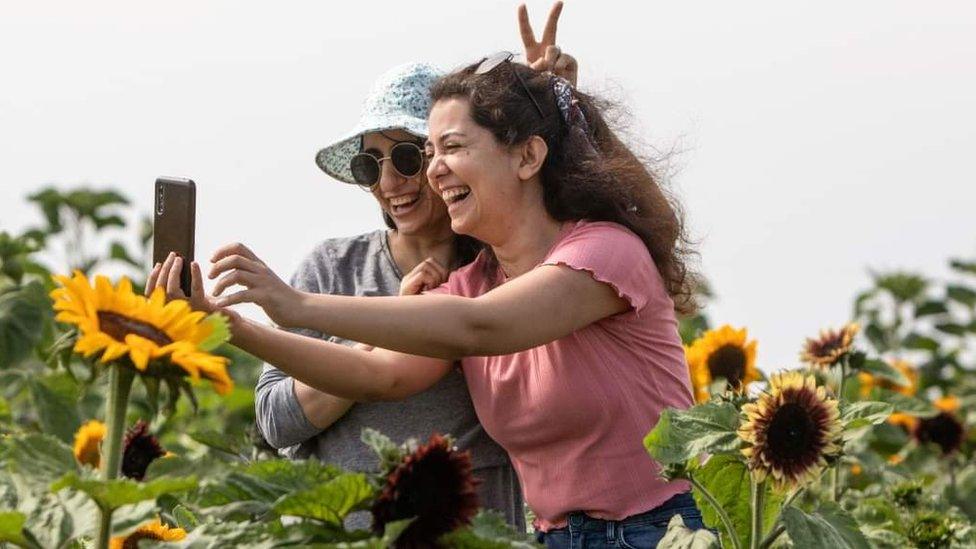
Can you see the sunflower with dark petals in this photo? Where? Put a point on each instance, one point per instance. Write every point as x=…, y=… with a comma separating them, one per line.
x=791, y=431
x=154, y=530
x=433, y=484
x=721, y=353
x=139, y=449
x=828, y=349
x=944, y=429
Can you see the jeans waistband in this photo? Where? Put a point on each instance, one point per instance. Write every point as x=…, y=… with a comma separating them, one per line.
x=663, y=512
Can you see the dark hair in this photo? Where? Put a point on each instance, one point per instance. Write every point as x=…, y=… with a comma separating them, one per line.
x=586, y=174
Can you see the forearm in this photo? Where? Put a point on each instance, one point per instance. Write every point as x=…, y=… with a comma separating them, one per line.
x=337, y=370
x=439, y=326
x=321, y=409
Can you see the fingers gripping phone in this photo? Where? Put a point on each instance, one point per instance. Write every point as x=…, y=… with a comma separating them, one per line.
x=174, y=221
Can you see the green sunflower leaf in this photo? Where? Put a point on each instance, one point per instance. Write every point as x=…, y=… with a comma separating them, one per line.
x=683, y=434
x=389, y=453
x=680, y=536
x=220, y=332
x=55, y=400
x=727, y=479
x=920, y=342
x=931, y=307
x=903, y=403
x=961, y=294
x=24, y=311
x=329, y=502
x=112, y=494
x=12, y=528
x=40, y=458
x=855, y=415
x=488, y=530
x=829, y=527
x=881, y=369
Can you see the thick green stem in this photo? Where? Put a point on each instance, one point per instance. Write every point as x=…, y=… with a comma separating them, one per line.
x=835, y=474
x=758, y=502
x=119, y=383
x=773, y=535
x=722, y=515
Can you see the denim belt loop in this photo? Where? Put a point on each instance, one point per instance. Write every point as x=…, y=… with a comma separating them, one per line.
x=611, y=531
x=576, y=519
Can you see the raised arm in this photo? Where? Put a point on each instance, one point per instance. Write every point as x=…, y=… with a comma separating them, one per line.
x=357, y=374
x=542, y=305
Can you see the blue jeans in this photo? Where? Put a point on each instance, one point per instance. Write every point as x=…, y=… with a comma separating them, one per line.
x=642, y=531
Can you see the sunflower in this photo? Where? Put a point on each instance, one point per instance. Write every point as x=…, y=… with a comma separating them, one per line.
x=115, y=322
x=905, y=421
x=869, y=382
x=154, y=530
x=434, y=484
x=721, y=353
x=830, y=347
x=139, y=449
x=943, y=429
x=948, y=404
x=88, y=441
x=791, y=431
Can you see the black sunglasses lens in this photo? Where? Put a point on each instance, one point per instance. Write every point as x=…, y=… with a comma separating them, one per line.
x=365, y=169
x=407, y=158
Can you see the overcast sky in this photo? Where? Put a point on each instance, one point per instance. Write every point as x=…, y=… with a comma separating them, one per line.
x=818, y=139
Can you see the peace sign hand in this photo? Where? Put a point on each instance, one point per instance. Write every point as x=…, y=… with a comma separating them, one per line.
x=545, y=55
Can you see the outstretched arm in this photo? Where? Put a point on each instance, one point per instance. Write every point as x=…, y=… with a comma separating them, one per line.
x=357, y=374
x=540, y=306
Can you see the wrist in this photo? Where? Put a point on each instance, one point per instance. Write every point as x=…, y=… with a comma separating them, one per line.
x=291, y=314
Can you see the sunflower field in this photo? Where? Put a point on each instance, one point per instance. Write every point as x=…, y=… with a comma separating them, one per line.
x=128, y=421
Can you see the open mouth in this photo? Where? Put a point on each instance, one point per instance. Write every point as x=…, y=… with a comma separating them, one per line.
x=455, y=195
x=402, y=204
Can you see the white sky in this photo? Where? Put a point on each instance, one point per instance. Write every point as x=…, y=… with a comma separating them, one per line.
x=819, y=138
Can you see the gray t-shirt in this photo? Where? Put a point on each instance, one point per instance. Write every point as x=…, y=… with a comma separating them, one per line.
x=363, y=266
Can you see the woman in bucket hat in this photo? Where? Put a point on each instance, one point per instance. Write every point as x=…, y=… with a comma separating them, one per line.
x=383, y=155
x=305, y=422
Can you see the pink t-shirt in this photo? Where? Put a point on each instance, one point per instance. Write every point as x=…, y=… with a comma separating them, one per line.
x=573, y=413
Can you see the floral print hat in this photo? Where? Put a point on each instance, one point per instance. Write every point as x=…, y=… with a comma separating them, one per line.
x=400, y=99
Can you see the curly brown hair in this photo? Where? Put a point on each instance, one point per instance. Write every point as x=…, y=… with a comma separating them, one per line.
x=587, y=174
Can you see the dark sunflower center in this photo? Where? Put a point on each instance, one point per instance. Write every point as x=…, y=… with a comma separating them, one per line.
x=828, y=346
x=729, y=361
x=943, y=429
x=118, y=326
x=791, y=434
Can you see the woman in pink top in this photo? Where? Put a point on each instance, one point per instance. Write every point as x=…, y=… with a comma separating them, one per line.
x=564, y=325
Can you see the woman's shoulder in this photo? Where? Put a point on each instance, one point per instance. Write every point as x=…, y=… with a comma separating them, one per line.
x=344, y=249
x=601, y=234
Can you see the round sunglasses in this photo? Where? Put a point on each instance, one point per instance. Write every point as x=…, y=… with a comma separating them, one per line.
x=407, y=158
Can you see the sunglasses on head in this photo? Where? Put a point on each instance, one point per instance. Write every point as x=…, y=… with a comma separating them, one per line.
x=491, y=62
x=407, y=158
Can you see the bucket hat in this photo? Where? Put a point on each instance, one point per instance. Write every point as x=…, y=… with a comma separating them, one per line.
x=400, y=99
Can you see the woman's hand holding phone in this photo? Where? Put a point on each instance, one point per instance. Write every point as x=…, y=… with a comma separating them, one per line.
x=167, y=276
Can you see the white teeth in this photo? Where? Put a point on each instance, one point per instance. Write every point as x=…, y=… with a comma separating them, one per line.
x=401, y=200
x=454, y=193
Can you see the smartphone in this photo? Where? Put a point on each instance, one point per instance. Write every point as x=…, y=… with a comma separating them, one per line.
x=174, y=221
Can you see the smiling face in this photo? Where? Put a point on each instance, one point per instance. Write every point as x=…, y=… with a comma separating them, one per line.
x=409, y=201
x=477, y=176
